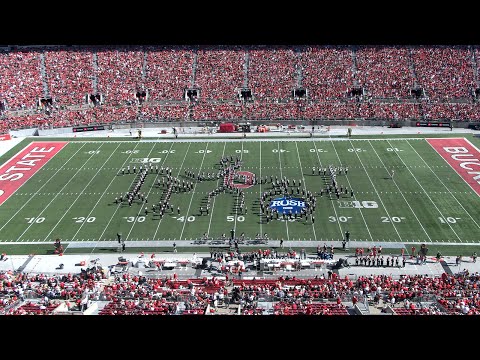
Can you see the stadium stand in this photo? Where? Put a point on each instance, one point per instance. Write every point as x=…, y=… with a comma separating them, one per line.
x=134, y=294
x=385, y=72
x=327, y=72
x=69, y=75
x=444, y=72
x=20, y=79
x=68, y=86
x=168, y=72
x=219, y=73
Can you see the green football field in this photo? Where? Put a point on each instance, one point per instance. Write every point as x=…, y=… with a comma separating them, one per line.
x=72, y=196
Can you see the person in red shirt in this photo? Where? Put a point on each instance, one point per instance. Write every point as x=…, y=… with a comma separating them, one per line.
x=413, y=252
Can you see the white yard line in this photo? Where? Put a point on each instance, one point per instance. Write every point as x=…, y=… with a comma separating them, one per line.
x=472, y=145
x=41, y=187
x=78, y=196
x=151, y=187
x=215, y=197
x=193, y=193
x=281, y=178
x=354, y=196
x=64, y=186
x=446, y=187
x=236, y=201
x=413, y=212
x=305, y=187
x=331, y=202
x=425, y=192
x=178, y=174
x=378, y=195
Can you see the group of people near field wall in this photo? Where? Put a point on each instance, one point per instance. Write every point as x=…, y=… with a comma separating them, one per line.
x=135, y=294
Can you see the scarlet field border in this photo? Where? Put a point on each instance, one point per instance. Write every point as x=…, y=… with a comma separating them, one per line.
x=461, y=155
x=21, y=167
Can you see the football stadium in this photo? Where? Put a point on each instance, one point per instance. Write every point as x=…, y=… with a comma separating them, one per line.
x=239, y=180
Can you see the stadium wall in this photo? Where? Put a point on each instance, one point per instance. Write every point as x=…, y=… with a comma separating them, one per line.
x=55, y=131
x=24, y=132
x=316, y=122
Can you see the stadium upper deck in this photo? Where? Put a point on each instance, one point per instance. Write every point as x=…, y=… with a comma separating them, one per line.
x=65, y=86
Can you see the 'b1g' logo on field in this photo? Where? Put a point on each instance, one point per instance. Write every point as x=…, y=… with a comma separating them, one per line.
x=145, y=160
x=358, y=204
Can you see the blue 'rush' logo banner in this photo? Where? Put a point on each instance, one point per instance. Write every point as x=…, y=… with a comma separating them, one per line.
x=284, y=205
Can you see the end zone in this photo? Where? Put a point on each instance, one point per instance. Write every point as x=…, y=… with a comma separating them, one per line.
x=16, y=171
x=462, y=156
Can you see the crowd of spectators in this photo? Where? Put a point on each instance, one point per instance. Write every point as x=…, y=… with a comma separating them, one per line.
x=444, y=72
x=164, y=112
x=390, y=111
x=126, y=293
x=168, y=72
x=327, y=72
x=119, y=74
x=203, y=110
x=268, y=110
x=69, y=75
x=41, y=293
x=219, y=72
x=330, y=75
x=272, y=72
x=133, y=294
x=384, y=71
x=20, y=79
x=453, y=111
x=331, y=110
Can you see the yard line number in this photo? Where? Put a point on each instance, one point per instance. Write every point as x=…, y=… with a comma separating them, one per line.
x=82, y=219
